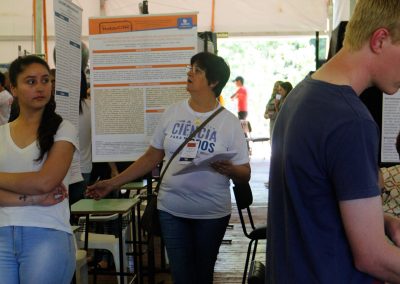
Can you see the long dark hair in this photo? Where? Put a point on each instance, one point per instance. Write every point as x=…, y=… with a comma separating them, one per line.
x=50, y=119
x=83, y=94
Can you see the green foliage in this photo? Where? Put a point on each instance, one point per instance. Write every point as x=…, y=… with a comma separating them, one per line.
x=262, y=61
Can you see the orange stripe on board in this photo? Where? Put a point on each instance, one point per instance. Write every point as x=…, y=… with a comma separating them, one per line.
x=138, y=23
x=213, y=16
x=34, y=23
x=144, y=49
x=45, y=30
x=110, y=85
x=137, y=67
x=154, y=110
x=138, y=84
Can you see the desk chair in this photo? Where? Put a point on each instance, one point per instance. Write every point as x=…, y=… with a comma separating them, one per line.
x=107, y=241
x=246, y=126
x=244, y=198
x=81, y=270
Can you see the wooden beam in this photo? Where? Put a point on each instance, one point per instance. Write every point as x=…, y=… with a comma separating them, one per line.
x=37, y=24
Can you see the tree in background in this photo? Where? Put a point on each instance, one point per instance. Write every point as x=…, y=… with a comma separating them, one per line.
x=262, y=61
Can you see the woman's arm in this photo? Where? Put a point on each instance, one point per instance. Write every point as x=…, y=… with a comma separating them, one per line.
x=147, y=162
x=114, y=169
x=57, y=195
x=238, y=173
x=47, y=178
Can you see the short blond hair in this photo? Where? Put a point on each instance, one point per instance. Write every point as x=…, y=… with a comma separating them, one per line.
x=368, y=16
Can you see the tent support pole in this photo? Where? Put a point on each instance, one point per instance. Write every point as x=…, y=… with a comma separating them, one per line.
x=38, y=9
x=316, y=50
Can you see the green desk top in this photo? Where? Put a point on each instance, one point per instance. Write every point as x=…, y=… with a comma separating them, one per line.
x=135, y=185
x=104, y=206
x=75, y=228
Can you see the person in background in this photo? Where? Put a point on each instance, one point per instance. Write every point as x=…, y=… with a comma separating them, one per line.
x=36, y=149
x=77, y=190
x=194, y=208
x=53, y=81
x=14, y=109
x=325, y=216
x=6, y=100
x=270, y=110
x=284, y=89
x=241, y=96
x=7, y=82
x=398, y=144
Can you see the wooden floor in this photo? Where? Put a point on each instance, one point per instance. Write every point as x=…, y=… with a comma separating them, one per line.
x=231, y=258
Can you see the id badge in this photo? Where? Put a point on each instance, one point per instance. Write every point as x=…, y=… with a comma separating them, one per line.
x=189, y=152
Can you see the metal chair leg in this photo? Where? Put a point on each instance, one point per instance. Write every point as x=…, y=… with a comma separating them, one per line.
x=254, y=250
x=247, y=262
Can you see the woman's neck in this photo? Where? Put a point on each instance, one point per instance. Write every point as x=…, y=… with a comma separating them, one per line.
x=24, y=130
x=29, y=119
x=202, y=105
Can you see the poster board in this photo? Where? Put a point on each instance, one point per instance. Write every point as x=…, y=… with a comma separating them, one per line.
x=137, y=69
x=390, y=128
x=68, y=30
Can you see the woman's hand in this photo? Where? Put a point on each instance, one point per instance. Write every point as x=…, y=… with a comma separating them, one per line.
x=224, y=167
x=238, y=173
x=57, y=195
x=276, y=104
x=100, y=189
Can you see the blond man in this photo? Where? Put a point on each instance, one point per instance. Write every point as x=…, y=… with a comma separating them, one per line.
x=325, y=220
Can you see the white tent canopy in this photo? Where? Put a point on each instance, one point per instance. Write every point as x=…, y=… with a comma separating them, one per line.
x=239, y=16
x=236, y=17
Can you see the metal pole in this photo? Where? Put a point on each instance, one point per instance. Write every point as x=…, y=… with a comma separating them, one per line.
x=38, y=26
x=316, y=50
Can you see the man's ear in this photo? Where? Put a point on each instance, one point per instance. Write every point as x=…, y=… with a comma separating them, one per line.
x=378, y=38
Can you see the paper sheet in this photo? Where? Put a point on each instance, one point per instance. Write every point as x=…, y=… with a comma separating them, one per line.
x=203, y=163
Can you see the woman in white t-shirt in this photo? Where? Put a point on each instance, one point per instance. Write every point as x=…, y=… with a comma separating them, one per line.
x=195, y=206
x=36, y=242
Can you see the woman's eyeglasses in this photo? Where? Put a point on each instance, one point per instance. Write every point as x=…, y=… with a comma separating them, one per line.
x=194, y=69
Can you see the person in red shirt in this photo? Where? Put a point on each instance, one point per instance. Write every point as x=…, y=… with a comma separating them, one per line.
x=241, y=95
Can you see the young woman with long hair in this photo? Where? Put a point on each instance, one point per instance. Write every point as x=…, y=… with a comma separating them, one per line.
x=36, y=242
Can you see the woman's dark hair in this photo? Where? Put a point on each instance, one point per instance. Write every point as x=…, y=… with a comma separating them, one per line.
x=2, y=79
x=50, y=119
x=287, y=87
x=275, y=88
x=83, y=95
x=215, y=67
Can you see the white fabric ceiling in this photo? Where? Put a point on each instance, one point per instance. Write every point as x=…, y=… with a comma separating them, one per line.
x=236, y=17
x=232, y=16
x=239, y=16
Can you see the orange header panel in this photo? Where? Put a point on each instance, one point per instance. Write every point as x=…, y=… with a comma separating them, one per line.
x=139, y=23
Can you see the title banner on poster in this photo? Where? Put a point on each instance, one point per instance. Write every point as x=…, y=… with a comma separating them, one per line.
x=137, y=69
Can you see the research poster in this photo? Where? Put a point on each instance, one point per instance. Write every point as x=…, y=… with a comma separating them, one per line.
x=68, y=29
x=137, y=69
x=390, y=127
